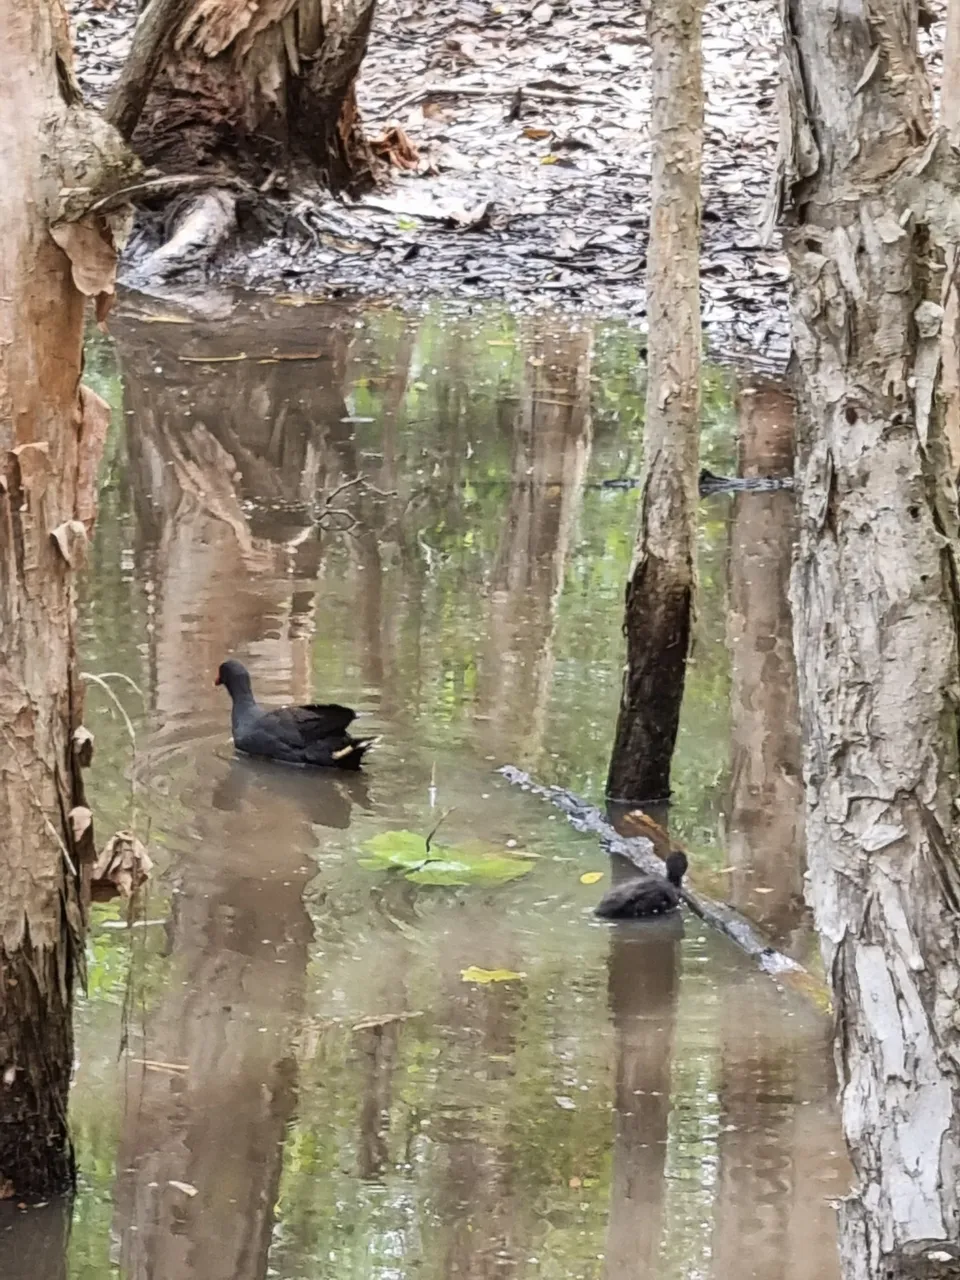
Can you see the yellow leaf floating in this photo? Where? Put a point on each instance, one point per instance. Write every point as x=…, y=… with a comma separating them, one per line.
x=474, y=974
x=591, y=877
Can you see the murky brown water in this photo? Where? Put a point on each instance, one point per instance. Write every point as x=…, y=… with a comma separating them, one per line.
x=283, y=1071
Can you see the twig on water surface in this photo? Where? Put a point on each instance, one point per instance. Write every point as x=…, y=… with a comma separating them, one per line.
x=639, y=851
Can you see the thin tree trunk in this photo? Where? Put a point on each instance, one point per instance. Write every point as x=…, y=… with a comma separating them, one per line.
x=155, y=25
x=876, y=607
x=51, y=434
x=248, y=88
x=659, y=602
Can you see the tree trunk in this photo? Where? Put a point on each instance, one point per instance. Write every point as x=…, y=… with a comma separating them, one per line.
x=659, y=602
x=51, y=433
x=875, y=606
x=248, y=88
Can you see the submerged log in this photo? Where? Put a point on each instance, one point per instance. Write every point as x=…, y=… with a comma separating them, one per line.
x=640, y=851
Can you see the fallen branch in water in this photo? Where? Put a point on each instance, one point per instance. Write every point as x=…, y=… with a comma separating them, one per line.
x=639, y=851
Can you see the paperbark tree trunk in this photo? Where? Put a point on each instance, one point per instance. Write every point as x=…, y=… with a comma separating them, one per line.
x=248, y=87
x=51, y=433
x=659, y=599
x=876, y=606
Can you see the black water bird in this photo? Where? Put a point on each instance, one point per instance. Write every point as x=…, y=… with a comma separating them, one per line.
x=311, y=735
x=647, y=895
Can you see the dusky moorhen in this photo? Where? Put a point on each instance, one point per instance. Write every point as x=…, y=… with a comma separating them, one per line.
x=647, y=895
x=312, y=735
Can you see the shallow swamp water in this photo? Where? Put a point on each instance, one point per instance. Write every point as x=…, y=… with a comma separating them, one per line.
x=296, y=1061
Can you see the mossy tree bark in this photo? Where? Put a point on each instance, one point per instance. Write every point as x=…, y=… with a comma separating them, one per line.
x=248, y=87
x=872, y=192
x=53, y=155
x=659, y=602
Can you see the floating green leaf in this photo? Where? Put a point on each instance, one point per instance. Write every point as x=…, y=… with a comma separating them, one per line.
x=474, y=862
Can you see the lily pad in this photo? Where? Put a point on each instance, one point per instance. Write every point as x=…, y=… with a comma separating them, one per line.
x=473, y=862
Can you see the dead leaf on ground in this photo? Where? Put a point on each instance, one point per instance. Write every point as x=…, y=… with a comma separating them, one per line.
x=395, y=147
x=187, y=1188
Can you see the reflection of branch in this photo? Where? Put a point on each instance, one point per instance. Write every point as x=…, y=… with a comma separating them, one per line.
x=101, y=680
x=328, y=509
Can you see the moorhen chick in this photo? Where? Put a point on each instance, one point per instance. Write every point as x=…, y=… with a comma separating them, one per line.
x=647, y=895
x=314, y=734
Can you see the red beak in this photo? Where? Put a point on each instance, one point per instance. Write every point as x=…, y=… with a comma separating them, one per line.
x=216, y=682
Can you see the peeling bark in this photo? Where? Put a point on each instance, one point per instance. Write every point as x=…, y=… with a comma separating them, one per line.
x=249, y=88
x=876, y=606
x=659, y=601
x=51, y=434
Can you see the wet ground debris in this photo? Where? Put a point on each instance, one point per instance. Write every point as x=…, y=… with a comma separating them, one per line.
x=516, y=137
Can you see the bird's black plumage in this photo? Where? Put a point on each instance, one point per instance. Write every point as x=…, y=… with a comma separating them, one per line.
x=647, y=895
x=315, y=734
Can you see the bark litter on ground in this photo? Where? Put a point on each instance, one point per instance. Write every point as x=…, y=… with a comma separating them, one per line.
x=530, y=128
